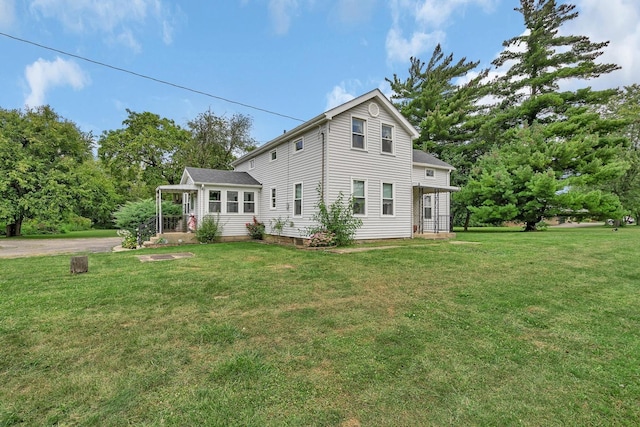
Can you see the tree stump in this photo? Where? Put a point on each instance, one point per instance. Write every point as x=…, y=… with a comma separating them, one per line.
x=79, y=264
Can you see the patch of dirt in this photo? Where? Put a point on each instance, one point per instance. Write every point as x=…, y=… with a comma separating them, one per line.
x=164, y=257
x=351, y=422
x=458, y=242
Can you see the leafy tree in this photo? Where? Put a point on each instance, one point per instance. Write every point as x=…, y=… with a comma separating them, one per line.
x=539, y=60
x=553, y=123
x=447, y=112
x=216, y=141
x=132, y=214
x=40, y=154
x=141, y=156
x=626, y=106
x=526, y=179
x=432, y=100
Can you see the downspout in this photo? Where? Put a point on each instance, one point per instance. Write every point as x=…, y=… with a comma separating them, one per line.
x=323, y=183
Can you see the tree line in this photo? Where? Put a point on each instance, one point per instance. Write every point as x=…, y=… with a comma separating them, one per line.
x=53, y=176
x=528, y=144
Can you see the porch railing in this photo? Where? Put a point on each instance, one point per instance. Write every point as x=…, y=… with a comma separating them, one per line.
x=146, y=230
x=438, y=224
x=174, y=224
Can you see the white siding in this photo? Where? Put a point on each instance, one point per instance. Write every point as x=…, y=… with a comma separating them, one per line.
x=289, y=168
x=233, y=224
x=375, y=167
x=440, y=178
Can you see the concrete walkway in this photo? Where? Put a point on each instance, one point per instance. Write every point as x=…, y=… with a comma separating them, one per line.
x=20, y=248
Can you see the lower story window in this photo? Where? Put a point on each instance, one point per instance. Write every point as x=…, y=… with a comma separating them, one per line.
x=232, y=202
x=215, y=201
x=297, y=199
x=359, y=197
x=426, y=200
x=273, y=198
x=387, y=199
x=249, y=202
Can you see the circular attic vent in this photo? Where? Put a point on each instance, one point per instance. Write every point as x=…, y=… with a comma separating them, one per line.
x=374, y=110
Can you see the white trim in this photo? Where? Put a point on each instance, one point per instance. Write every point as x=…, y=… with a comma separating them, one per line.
x=301, y=200
x=226, y=202
x=254, y=201
x=393, y=198
x=252, y=163
x=295, y=145
x=364, y=133
x=393, y=139
x=273, y=199
x=271, y=153
x=366, y=202
x=209, y=201
x=426, y=175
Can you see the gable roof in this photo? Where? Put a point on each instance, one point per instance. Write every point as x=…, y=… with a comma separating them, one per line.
x=329, y=115
x=424, y=158
x=217, y=176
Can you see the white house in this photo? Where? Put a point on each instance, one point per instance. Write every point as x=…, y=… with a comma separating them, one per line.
x=363, y=149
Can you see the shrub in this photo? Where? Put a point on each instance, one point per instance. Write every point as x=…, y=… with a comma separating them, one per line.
x=255, y=229
x=209, y=230
x=336, y=219
x=129, y=239
x=132, y=214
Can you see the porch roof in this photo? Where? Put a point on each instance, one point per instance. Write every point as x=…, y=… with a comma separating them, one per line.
x=432, y=186
x=177, y=188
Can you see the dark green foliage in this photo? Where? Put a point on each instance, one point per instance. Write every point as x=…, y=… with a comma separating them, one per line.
x=46, y=170
x=132, y=214
x=336, y=219
x=140, y=156
x=216, y=141
x=210, y=230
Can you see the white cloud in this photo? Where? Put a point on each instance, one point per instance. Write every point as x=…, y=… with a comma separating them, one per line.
x=116, y=18
x=43, y=75
x=400, y=49
x=344, y=92
x=616, y=21
x=425, y=21
x=7, y=13
x=281, y=12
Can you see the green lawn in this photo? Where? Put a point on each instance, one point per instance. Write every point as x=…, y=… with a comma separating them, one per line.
x=536, y=329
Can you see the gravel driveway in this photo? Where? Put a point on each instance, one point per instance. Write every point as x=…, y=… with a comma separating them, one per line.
x=19, y=248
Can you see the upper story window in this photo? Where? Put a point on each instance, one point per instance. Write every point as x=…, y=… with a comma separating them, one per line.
x=273, y=155
x=297, y=199
x=232, y=202
x=430, y=173
x=359, y=194
x=215, y=201
x=249, y=202
x=298, y=145
x=387, y=139
x=252, y=163
x=358, y=127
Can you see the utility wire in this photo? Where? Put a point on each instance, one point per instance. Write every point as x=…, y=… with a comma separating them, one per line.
x=164, y=82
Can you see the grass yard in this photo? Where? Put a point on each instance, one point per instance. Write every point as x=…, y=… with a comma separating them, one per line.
x=508, y=328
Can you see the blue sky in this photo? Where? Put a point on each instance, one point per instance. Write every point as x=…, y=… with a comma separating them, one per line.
x=294, y=57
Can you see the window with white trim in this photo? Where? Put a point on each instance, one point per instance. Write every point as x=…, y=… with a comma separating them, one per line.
x=358, y=136
x=273, y=155
x=359, y=194
x=274, y=199
x=252, y=163
x=232, y=202
x=298, y=145
x=215, y=201
x=427, y=207
x=388, y=199
x=297, y=199
x=387, y=139
x=430, y=173
x=249, y=202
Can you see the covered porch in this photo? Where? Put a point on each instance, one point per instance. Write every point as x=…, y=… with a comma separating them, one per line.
x=431, y=211
x=177, y=229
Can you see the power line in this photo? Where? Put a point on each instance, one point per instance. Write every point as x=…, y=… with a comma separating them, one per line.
x=150, y=78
